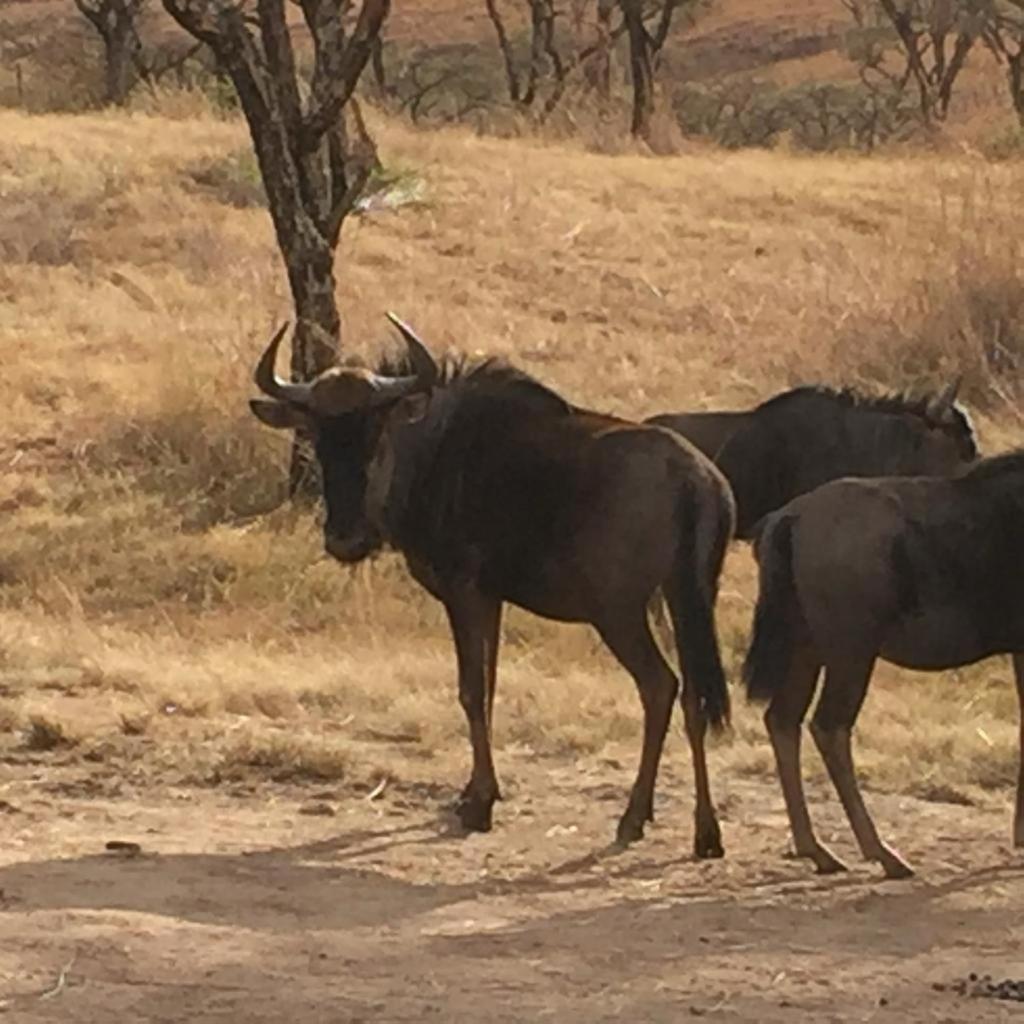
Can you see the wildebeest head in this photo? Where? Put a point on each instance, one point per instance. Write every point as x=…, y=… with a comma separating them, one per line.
x=949, y=438
x=345, y=410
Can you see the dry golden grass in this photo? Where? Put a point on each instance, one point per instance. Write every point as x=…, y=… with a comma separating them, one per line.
x=150, y=603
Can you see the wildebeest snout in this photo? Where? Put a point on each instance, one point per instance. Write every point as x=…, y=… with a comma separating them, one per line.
x=353, y=548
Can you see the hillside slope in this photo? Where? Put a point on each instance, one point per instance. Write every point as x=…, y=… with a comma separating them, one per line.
x=767, y=40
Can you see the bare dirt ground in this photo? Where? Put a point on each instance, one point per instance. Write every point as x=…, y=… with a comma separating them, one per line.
x=245, y=905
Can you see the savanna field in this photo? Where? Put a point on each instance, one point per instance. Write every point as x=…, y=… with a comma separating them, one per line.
x=182, y=667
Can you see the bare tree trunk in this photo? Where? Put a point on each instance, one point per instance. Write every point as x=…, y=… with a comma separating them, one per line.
x=114, y=20
x=641, y=65
x=314, y=154
x=122, y=48
x=950, y=72
x=604, y=51
x=1015, y=77
x=915, y=65
x=511, y=73
x=380, y=75
x=545, y=46
x=1004, y=36
x=317, y=339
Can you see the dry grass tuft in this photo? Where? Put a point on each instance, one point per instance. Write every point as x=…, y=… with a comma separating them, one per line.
x=10, y=717
x=44, y=733
x=135, y=724
x=287, y=757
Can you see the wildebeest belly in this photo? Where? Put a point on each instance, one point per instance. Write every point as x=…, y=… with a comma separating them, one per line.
x=576, y=541
x=944, y=636
x=939, y=638
x=576, y=577
x=960, y=598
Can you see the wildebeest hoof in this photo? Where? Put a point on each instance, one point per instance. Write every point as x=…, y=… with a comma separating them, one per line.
x=707, y=844
x=474, y=813
x=467, y=795
x=824, y=862
x=629, y=831
x=894, y=866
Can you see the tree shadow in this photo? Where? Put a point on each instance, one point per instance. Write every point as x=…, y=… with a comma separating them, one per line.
x=306, y=886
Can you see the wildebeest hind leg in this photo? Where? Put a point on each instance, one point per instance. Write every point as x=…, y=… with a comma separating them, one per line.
x=629, y=639
x=837, y=710
x=784, y=721
x=687, y=621
x=707, y=836
x=1018, y=817
x=474, y=620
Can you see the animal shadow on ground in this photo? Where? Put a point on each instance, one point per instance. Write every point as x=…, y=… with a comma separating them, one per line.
x=310, y=886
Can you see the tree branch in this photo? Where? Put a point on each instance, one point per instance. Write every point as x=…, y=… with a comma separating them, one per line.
x=277, y=47
x=657, y=41
x=511, y=74
x=335, y=91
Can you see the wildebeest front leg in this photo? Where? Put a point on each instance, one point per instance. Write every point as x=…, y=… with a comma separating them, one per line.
x=630, y=640
x=492, y=668
x=474, y=620
x=1018, y=817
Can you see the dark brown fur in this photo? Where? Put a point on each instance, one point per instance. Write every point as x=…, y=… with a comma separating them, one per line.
x=496, y=490
x=922, y=572
x=802, y=438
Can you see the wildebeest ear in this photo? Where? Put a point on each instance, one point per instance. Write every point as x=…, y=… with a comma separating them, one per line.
x=412, y=409
x=940, y=408
x=280, y=415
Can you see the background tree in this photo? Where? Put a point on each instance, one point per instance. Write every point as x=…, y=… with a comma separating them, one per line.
x=647, y=24
x=312, y=148
x=587, y=40
x=1004, y=36
x=116, y=23
x=546, y=61
x=934, y=38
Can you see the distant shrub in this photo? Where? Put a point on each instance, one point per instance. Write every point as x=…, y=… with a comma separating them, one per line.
x=1006, y=143
x=450, y=82
x=233, y=179
x=819, y=116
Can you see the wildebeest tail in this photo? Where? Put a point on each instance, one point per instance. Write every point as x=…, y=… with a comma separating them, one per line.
x=776, y=615
x=693, y=604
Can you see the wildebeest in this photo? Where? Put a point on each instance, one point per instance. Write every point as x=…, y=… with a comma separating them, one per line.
x=802, y=438
x=922, y=572
x=496, y=489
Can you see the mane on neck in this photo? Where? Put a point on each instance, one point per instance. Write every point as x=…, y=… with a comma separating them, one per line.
x=490, y=379
x=894, y=403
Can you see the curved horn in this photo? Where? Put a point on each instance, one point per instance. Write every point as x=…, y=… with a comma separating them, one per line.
x=939, y=407
x=952, y=389
x=268, y=381
x=419, y=355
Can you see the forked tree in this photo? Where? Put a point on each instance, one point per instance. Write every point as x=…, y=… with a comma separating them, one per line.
x=934, y=37
x=312, y=148
x=1004, y=36
x=546, y=61
x=647, y=24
